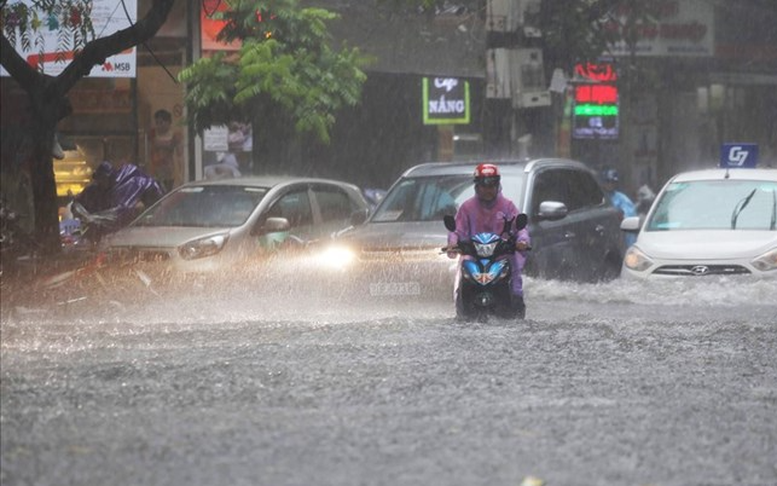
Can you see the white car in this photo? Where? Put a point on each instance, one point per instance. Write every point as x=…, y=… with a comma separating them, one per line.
x=705, y=223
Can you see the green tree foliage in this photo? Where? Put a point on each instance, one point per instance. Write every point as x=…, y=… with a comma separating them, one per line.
x=573, y=31
x=285, y=70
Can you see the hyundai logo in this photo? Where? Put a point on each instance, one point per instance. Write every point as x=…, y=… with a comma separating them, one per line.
x=699, y=270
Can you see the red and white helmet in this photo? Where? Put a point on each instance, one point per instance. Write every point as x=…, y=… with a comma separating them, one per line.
x=487, y=175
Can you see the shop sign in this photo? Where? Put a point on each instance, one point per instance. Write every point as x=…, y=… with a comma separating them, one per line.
x=214, y=139
x=595, y=112
x=211, y=27
x=101, y=101
x=739, y=155
x=677, y=28
x=107, y=18
x=235, y=137
x=446, y=101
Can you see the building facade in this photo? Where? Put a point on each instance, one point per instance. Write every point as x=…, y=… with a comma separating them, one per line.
x=713, y=65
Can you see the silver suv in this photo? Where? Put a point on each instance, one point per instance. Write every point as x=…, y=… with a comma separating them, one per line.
x=575, y=231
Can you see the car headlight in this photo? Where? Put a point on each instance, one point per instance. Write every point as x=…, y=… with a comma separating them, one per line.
x=767, y=261
x=203, y=247
x=336, y=257
x=636, y=260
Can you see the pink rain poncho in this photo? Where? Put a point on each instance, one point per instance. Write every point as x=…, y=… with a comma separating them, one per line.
x=475, y=216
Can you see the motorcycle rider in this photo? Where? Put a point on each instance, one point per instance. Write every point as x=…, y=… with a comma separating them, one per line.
x=486, y=212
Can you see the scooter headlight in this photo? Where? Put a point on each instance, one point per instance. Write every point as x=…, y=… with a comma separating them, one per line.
x=636, y=260
x=767, y=261
x=203, y=247
x=485, y=250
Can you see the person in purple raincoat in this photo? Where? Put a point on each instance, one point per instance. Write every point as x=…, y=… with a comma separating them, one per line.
x=116, y=196
x=486, y=212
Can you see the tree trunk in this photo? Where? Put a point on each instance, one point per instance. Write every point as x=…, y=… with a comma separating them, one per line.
x=44, y=187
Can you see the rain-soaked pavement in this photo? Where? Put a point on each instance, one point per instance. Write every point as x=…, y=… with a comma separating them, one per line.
x=250, y=384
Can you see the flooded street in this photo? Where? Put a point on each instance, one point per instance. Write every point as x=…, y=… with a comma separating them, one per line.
x=611, y=384
x=223, y=223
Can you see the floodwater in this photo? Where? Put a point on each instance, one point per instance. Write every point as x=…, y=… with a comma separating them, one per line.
x=260, y=297
x=246, y=383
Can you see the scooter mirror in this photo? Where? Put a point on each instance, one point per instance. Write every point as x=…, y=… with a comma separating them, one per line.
x=450, y=222
x=521, y=221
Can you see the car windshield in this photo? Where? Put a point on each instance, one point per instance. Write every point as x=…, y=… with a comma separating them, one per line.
x=431, y=198
x=716, y=205
x=204, y=207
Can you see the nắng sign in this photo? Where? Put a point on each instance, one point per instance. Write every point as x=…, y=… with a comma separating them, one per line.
x=446, y=101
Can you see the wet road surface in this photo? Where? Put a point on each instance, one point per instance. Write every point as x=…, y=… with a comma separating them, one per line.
x=612, y=384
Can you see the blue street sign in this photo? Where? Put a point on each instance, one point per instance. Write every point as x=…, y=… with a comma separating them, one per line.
x=739, y=155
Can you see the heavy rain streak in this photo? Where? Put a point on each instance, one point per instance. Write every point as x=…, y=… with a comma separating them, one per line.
x=284, y=381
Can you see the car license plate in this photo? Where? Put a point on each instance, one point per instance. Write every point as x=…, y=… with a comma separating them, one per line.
x=395, y=288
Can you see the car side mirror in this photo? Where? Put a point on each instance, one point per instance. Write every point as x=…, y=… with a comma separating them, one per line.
x=552, y=210
x=273, y=225
x=631, y=224
x=359, y=216
x=521, y=221
x=450, y=222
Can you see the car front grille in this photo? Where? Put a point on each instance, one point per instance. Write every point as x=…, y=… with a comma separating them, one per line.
x=701, y=270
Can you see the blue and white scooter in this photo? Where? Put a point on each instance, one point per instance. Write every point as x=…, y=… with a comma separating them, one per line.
x=485, y=280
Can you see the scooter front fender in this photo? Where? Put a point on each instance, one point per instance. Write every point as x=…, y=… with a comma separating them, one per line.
x=485, y=272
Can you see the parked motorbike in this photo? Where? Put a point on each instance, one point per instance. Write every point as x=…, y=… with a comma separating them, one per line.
x=115, y=198
x=86, y=229
x=485, y=280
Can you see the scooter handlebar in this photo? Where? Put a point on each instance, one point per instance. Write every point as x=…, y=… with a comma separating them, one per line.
x=457, y=249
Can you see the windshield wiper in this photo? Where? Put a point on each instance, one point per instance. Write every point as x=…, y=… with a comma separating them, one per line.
x=742, y=204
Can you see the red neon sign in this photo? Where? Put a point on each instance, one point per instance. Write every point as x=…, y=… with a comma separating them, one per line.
x=603, y=73
x=597, y=93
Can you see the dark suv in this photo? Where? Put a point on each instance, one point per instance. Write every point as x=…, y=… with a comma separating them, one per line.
x=575, y=231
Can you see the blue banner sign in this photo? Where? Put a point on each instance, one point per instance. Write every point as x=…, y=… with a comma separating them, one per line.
x=739, y=155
